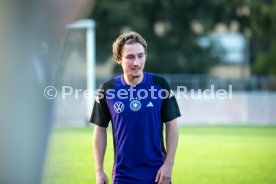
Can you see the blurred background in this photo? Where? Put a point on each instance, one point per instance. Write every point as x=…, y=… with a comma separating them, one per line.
x=194, y=44
x=191, y=43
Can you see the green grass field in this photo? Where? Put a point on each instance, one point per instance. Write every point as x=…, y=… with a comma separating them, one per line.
x=206, y=154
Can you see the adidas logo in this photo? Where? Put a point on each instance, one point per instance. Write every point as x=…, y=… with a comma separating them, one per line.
x=150, y=104
x=171, y=94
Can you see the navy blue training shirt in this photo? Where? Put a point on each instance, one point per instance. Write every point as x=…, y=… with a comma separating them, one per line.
x=137, y=123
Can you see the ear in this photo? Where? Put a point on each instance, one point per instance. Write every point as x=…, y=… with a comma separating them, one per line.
x=119, y=62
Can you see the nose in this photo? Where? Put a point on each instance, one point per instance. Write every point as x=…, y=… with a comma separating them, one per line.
x=136, y=62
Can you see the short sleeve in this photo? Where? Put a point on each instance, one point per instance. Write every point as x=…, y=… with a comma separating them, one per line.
x=100, y=114
x=169, y=109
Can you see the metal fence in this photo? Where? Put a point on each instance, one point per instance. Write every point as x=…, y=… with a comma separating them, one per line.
x=253, y=101
x=253, y=83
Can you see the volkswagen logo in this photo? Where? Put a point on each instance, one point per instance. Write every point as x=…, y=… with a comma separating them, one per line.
x=119, y=107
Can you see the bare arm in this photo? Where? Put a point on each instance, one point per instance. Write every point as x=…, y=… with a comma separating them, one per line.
x=171, y=141
x=165, y=172
x=99, y=145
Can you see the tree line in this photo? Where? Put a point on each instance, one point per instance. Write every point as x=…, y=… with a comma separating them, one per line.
x=172, y=28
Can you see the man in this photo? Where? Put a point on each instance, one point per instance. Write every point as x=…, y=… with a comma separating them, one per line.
x=137, y=120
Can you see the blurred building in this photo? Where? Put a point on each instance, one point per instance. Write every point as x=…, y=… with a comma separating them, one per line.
x=231, y=49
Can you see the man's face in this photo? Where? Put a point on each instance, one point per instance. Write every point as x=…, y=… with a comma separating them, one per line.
x=133, y=60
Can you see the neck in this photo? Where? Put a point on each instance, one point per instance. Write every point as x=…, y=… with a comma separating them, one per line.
x=133, y=80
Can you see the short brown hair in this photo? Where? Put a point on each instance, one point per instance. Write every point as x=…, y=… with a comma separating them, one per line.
x=127, y=38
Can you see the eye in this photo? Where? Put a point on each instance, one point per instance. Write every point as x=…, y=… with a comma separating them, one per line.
x=141, y=55
x=129, y=57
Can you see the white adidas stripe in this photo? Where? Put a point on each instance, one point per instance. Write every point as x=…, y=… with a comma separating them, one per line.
x=150, y=104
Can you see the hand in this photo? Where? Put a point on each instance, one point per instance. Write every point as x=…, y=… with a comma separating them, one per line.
x=164, y=174
x=101, y=178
